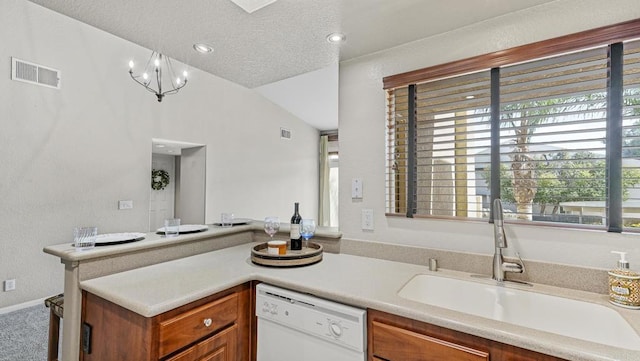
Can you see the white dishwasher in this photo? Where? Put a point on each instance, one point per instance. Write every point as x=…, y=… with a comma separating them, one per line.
x=298, y=327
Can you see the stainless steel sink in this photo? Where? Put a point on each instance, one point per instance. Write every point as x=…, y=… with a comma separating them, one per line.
x=577, y=319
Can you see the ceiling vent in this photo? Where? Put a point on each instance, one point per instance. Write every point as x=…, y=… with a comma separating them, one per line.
x=34, y=74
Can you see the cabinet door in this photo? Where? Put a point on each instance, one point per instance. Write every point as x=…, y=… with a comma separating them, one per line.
x=393, y=343
x=190, y=332
x=219, y=347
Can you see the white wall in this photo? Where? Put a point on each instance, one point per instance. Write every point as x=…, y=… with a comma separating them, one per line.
x=69, y=155
x=312, y=96
x=362, y=137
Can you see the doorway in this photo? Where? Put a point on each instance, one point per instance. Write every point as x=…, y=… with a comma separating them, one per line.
x=183, y=196
x=162, y=201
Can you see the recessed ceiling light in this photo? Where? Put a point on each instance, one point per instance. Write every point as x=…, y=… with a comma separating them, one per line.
x=203, y=48
x=160, y=145
x=336, y=38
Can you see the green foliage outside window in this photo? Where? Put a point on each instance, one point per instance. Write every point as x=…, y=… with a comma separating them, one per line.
x=569, y=178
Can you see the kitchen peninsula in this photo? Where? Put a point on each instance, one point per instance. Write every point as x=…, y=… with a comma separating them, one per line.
x=360, y=281
x=154, y=248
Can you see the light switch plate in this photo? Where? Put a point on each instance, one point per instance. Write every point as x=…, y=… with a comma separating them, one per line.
x=356, y=188
x=367, y=219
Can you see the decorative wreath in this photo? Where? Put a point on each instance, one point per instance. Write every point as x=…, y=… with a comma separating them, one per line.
x=159, y=179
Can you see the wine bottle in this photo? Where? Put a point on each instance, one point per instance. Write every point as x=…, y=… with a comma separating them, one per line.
x=296, y=238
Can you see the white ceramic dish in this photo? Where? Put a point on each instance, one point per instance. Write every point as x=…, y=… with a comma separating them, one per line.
x=235, y=222
x=187, y=228
x=109, y=239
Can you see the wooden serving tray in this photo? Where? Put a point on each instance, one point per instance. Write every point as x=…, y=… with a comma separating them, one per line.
x=311, y=253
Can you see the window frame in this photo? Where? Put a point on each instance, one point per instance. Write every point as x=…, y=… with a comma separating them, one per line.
x=611, y=36
x=606, y=35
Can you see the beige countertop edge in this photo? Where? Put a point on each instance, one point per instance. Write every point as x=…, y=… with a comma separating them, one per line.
x=152, y=240
x=359, y=281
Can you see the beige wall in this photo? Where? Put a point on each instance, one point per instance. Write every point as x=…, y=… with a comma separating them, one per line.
x=362, y=136
x=69, y=155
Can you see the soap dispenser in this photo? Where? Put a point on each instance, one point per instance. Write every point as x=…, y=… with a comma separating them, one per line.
x=624, y=284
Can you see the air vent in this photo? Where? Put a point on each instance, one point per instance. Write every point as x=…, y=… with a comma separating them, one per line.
x=34, y=74
x=285, y=133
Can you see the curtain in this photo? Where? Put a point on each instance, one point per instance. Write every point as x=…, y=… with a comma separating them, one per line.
x=324, y=213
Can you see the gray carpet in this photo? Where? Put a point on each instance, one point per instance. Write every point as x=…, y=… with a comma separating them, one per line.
x=24, y=334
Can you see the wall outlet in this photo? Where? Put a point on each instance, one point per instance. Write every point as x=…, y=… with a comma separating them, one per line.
x=367, y=219
x=125, y=205
x=9, y=285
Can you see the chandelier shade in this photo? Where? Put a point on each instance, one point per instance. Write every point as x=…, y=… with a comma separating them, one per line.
x=151, y=78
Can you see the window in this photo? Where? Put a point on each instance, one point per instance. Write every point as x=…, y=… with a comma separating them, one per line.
x=553, y=119
x=452, y=129
x=334, y=181
x=329, y=177
x=631, y=136
x=554, y=134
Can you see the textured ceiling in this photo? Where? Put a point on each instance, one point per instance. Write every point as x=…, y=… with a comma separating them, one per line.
x=283, y=39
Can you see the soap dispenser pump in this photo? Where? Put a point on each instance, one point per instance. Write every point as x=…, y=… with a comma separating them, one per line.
x=624, y=284
x=622, y=262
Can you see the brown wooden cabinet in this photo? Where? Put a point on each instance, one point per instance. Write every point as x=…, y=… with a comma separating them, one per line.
x=392, y=338
x=215, y=328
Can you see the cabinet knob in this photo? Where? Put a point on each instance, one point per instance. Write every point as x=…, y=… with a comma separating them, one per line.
x=207, y=322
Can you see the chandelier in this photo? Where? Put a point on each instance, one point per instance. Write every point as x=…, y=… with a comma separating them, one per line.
x=160, y=65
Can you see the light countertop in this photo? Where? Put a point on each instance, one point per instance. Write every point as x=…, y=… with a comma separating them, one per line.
x=67, y=252
x=358, y=281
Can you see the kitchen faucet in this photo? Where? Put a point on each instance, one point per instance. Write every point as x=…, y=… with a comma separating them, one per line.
x=500, y=238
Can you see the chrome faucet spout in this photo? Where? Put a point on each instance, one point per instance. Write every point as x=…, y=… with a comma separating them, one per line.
x=499, y=237
x=500, y=267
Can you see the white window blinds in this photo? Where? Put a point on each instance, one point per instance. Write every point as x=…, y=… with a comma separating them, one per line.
x=631, y=136
x=450, y=147
x=552, y=138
